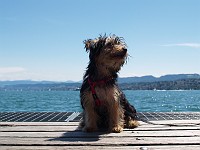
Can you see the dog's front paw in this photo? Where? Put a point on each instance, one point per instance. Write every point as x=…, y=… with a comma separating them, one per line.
x=89, y=129
x=117, y=129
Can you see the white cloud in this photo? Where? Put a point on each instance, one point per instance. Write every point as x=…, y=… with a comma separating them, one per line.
x=192, y=45
x=8, y=70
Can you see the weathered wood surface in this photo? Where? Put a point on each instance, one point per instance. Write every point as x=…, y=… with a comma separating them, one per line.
x=179, y=135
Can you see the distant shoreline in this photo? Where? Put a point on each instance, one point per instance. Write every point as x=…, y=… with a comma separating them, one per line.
x=183, y=84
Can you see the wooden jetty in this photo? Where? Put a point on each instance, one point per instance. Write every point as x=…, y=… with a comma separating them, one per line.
x=151, y=134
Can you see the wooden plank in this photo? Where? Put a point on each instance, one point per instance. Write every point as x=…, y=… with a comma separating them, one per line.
x=72, y=128
x=38, y=128
x=40, y=123
x=51, y=123
x=169, y=147
x=79, y=134
x=142, y=124
x=176, y=122
x=98, y=141
x=152, y=124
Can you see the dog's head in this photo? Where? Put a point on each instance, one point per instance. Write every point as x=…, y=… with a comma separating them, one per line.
x=107, y=52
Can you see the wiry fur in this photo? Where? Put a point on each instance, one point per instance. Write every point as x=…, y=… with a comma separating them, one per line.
x=107, y=55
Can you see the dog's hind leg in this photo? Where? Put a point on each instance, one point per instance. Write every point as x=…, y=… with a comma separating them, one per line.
x=129, y=113
x=130, y=123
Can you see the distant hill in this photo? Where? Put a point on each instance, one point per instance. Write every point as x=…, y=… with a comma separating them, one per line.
x=172, y=77
x=182, y=84
x=29, y=82
x=167, y=82
x=149, y=78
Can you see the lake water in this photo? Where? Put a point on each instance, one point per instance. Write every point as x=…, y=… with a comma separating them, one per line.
x=62, y=101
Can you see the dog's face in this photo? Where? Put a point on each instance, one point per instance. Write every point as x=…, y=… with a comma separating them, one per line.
x=107, y=52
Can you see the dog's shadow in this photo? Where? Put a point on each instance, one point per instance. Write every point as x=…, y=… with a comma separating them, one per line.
x=79, y=136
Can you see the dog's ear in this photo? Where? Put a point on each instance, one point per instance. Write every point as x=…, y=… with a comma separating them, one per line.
x=89, y=44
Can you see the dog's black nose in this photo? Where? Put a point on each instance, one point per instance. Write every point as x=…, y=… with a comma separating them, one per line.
x=125, y=50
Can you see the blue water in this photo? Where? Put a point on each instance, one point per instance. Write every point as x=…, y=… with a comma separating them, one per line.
x=61, y=101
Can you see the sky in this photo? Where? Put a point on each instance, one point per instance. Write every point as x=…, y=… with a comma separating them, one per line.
x=43, y=39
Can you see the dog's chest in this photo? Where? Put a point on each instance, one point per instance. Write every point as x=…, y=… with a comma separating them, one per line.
x=108, y=94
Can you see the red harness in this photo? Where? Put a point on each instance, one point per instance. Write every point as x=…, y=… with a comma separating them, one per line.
x=93, y=84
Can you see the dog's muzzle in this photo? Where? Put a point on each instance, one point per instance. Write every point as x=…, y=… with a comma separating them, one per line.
x=121, y=54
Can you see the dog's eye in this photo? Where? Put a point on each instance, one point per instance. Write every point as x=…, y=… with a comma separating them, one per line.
x=109, y=45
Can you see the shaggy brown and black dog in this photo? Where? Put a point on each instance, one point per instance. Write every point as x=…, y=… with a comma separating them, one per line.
x=104, y=104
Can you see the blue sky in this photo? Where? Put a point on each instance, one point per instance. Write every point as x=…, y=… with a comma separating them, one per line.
x=43, y=39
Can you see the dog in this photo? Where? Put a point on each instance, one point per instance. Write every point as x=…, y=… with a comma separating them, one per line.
x=104, y=104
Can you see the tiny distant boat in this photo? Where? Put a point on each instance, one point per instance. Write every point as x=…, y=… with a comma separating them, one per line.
x=77, y=89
